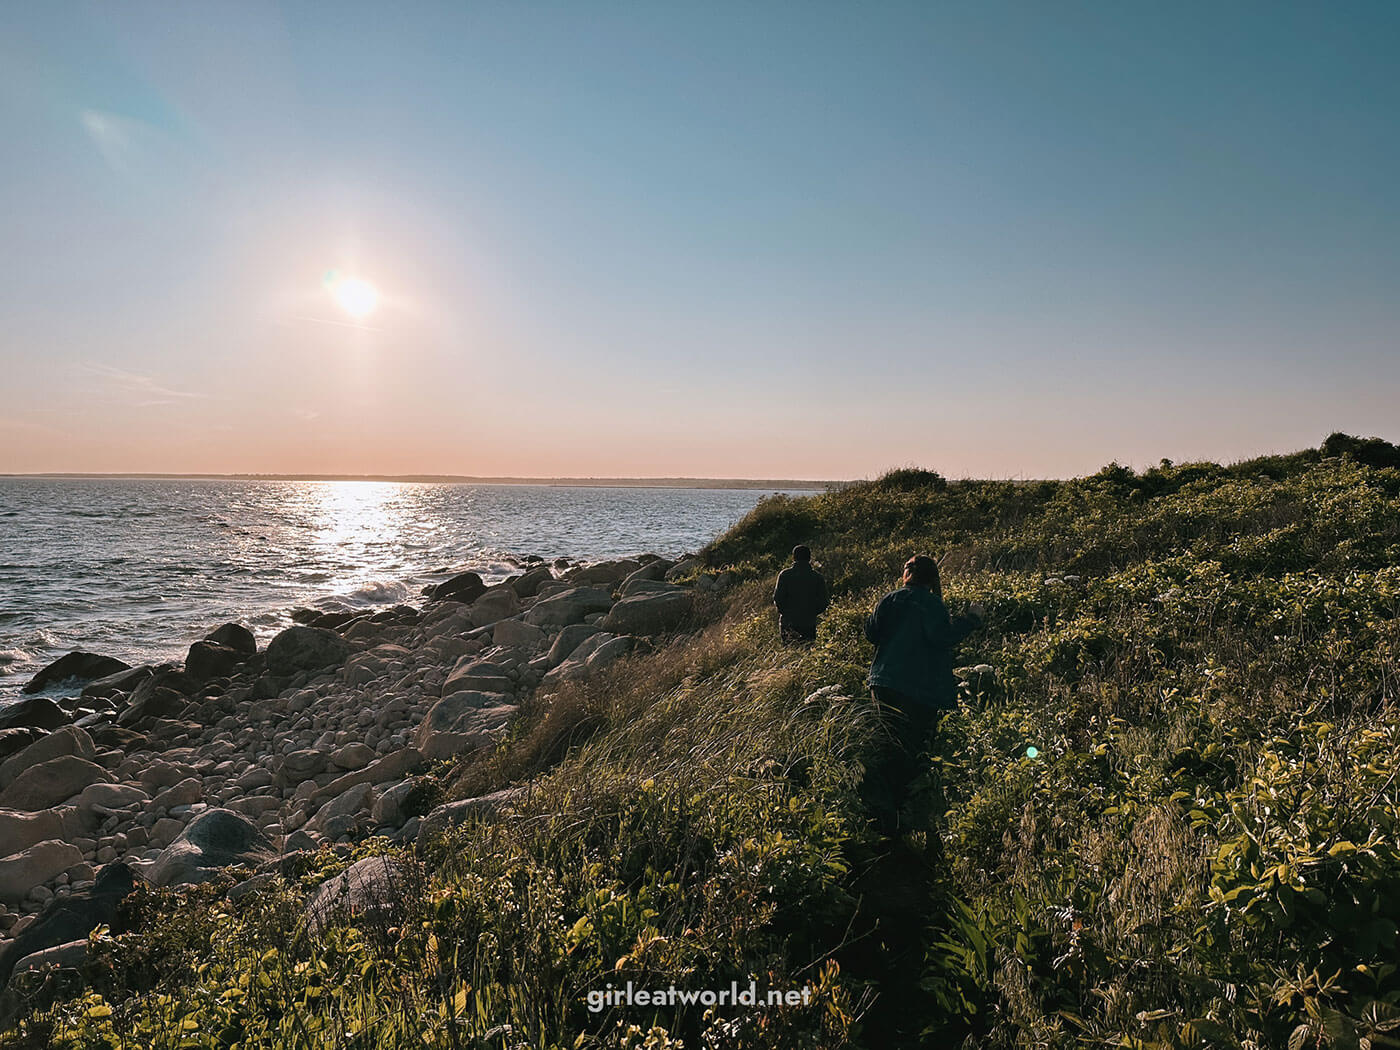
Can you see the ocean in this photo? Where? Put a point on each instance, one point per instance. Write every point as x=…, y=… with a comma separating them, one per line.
x=139, y=569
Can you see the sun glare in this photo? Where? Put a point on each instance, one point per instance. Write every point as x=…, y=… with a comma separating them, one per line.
x=356, y=296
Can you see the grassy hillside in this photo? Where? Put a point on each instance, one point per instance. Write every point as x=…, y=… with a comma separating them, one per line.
x=1164, y=816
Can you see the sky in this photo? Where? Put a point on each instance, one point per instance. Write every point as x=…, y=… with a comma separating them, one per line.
x=775, y=240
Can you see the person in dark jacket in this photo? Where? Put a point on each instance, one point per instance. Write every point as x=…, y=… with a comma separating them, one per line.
x=911, y=679
x=800, y=597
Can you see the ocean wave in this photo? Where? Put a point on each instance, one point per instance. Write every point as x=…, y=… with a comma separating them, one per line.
x=10, y=657
x=376, y=592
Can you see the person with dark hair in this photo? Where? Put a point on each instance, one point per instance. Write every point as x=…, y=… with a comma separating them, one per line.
x=911, y=679
x=800, y=597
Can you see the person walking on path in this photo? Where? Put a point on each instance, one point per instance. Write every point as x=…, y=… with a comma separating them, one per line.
x=911, y=679
x=800, y=597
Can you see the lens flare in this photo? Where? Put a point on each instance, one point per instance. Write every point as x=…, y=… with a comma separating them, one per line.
x=1032, y=752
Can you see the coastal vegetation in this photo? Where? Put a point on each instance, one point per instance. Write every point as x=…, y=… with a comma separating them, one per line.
x=1164, y=814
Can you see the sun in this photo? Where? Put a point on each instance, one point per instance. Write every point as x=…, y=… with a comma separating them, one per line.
x=356, y=296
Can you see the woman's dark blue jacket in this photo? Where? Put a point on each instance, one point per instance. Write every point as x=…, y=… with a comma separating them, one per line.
x=914, y=638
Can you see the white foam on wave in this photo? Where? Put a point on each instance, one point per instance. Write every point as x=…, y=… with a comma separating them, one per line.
x=376, y=592
x=10, y=657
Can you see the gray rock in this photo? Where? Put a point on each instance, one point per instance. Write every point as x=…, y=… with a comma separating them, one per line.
x=22, y=872
x=570, y=638
x=217, y=838
x=51, y=782
x=528, y=585
x=464, y=587
x=236, y=637
x=451, y=814
x=302, y=765
x=569, y=607
x=394, y=766
x=19, y=829
x=646, y=614
x=683, y=568
x=353, y=756
x=353, y=803
x=36, y=712
x=388, y=807
x=461, y=721
x=518, y=635
x=482, y=676
x=494, y=604
x=652, y=570
x=120, y=682
x=371, y=891
x=306, y=649
x=208, y=660
x=606, y=572
x=70, y=918
x=185, y=793
x=76, y=665
x=70, y=740
x=111, y=796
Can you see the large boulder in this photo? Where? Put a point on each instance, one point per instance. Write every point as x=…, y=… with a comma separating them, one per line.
x=655, y=569
x=13, y=741
x=371, y=891
x=569, y=607
x=607, y=572
x=208, y=660
x=482, y=676
x=306, y=649
x=569, y=639
x=302, y=765
x=20, y=829
x=451, y=814
x=649, y=613
x=463, y=720
x=394, y=766
x=35, y=866
x=163, y=695
x=71, y=918
x=343, y=814
x=592, y=654
x=120, y=682
x=215, y=839
x=464, y=587
x=495, y=604
x=37, y=712
x=517, y=634
x=528, y=585
x=70, y=740
x=236, y=637
x=51, y=782
x=75, y=666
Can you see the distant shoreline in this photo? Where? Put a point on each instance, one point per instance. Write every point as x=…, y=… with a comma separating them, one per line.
x=461, y=479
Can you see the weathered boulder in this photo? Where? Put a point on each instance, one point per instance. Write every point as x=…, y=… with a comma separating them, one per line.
x=51, y=782
x=102, y=798
x=236, y=637
x=388, y=807
x=355, y=755
x=302, y=765
x=607, y=572
x=163, y=774
x=37, y=712
x=35, y=866
x=494, y=604
x=482, y=676
x=70, y=740
x=20, y=829
x=631, y=587
x=684, y=568
x=217, y=838
x=71, y=918
x=69, y=955
x=371, y=891
x=528, y=585
x=464, y=587
x=451, y=814
x=186, y=793
x=517, y=634
x=569, y=607
x=120, y=682
x=569, y=639
x=342, y=814
x=653, y=570
x=305, y=649
x=163, y=695
x=460, y=721
x=13, y=741
x=394, y=766
x=208, y=660
x=649, y=613
x=76, y=665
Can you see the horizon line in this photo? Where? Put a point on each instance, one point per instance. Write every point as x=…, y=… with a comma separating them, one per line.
x=582, y=482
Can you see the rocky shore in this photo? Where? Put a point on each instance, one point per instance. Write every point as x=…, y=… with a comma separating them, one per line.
x=239, y=756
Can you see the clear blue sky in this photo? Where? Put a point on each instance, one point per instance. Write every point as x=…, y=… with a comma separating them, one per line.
x=797, y=240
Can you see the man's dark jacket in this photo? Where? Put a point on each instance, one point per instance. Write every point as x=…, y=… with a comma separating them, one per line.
x=800, y=597
x=914, y=638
